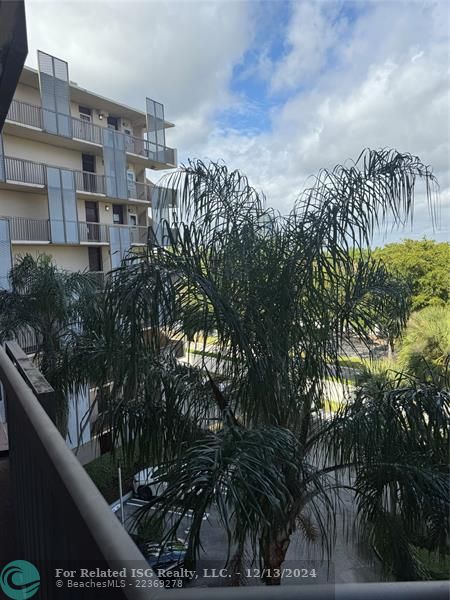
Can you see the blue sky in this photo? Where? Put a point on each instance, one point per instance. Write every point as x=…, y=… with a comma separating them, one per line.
x=277, y=89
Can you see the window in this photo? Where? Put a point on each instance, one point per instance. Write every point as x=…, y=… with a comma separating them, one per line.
x=85, y=113
x=113, y=123
x=118, y=214
x=132, y=219
x=88, y=162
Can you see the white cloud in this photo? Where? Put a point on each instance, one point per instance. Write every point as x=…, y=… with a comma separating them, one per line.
x=313, y=32
x=180, y=53
x=389, y=88
x=378, y=78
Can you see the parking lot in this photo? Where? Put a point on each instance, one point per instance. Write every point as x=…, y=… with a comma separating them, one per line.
x=348, y=564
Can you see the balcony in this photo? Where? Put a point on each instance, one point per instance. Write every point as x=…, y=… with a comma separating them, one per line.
x=23, y=229
x=89, y=132
x=26, y=114
x=91, y=183
x=48, y=498
x=19, y=170
x=25, y=171
x=93, y=232
x=31, y=115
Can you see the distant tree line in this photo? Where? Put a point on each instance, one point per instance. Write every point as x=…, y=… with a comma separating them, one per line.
x=424, y=266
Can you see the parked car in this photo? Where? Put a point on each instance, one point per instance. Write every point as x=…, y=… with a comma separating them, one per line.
x=144, y=485
x=165, y=559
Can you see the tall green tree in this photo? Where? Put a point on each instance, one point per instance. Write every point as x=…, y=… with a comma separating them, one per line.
x=425, y=345
x=424, y=265
x=280, y=293
x=48, y=304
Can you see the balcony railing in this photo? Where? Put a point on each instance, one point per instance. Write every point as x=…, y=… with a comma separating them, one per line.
x=138, y=235
x=140, y=191
x=83, y=130
x=89, y=182
x=56, y=501
x=155, y=152
x=93, y=232
x=24, y=171
x=30, y=114
x=24, y=229
x=27, y=114
x=27, y=171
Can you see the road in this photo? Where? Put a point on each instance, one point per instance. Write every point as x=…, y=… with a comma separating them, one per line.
x=348, y=564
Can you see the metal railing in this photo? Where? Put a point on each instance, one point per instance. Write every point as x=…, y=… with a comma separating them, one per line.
x=31, y=114
x=138, y=235
x=40, y=230
x=61, y=517
x=28, y=340
x=89, y=182
x=22, y=112
x=24, y=171
x=93, y=232
x=140, y=191
x=24, y=229
x=155, y=152
x=83, y=130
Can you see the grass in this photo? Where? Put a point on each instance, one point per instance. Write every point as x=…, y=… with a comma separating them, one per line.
x=435, y=564
x=353, y=362
x=104, y=473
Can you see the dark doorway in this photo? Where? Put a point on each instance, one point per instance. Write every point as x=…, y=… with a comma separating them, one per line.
x=88, y=161
x=91, y=212
x=95, y=259
x=93, y=228
x=89, y=179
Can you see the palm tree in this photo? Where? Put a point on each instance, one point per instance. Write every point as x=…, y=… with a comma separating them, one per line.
x=46, y=303
x=396, y=433
x=280, y=294
x=425, y=347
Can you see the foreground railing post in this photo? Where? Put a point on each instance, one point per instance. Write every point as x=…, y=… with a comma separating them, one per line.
x=33, y=378
x=62, y=519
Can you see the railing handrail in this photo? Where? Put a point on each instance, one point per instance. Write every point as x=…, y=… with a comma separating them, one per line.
x=20, y=218
x=39, y=229
x=398, y=590
x=17, y=101
x=15, y=171
x=109, y=535
x=96, y=129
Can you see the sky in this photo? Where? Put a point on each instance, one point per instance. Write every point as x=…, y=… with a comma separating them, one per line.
x=277, y=89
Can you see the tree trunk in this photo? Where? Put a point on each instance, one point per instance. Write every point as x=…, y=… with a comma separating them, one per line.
x=273, y=549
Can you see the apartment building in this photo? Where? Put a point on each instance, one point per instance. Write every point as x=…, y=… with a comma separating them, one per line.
x=73, y=172
x=73, y=185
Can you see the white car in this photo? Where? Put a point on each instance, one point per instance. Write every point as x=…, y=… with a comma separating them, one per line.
x=144, y=485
